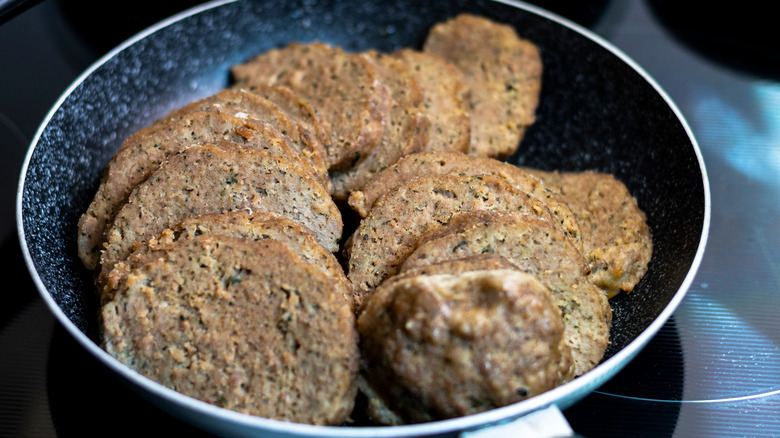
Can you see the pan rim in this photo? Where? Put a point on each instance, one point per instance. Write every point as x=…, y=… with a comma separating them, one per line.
x=193, y=408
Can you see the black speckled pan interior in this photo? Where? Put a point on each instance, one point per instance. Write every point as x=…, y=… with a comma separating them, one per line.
x=597, y=111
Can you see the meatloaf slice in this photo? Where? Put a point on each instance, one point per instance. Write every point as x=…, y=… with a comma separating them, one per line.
x=445, y=98
x=617, y=240
x=341, y=86
x=453, y=163
x=405, y=132
x=445, y=346
x=537, y=247
x=384, y=238
x=212, y=178
x=143, y=151
x=478, y=262
x=503, y=72
x=244, y=325
x=242, y=103
x=296, y=106
x=252, y=225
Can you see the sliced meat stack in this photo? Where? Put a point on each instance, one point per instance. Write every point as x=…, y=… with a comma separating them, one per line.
x=450, y=163
x=142, y=153
x=345, y=89
x=503, y=73
x=212, y=178
x=405, y=131
x=224, y=270
x=472, y=88
x=242, y=324
x=445, y=99
x=394, y=225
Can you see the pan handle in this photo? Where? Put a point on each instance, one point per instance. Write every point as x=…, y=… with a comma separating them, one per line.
x=548, y=422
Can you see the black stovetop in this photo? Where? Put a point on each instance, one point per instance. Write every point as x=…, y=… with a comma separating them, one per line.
x=714, y=368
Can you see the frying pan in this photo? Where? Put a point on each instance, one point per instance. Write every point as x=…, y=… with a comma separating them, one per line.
x=598, y=110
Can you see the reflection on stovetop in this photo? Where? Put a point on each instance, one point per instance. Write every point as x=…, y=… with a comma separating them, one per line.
x=646, y=392
x=742, y=36
x=25, y=329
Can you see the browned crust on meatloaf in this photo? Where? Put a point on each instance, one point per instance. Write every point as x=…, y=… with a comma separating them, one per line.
x=219, y=177
x=617, y=240
x=342, y=87
x=537, y=247
x=242, y=103
x=405, y=132
x=445, y=98
x=444, y=346
x=389, y=233
x=477, y=262
x=244, y=325
x=252, y=225
x=298, y=108
x=503, y=72
x=440, y=163
x=375, y=404
x=143, y=151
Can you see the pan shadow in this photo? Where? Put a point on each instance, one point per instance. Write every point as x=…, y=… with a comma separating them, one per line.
x=643, y=399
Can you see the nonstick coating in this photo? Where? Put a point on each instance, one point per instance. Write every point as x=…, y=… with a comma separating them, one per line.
x=597, y=111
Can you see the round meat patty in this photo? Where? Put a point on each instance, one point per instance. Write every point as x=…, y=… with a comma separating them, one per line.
x=296, y=107
x=219, y=177
x=255, y=225
x=444, y=346
x=405, y=131
x=503, y=72
x=617, y=241
x=142, y=153
x=445, y=98
x=384, y=238
x=453, y=163
x=540, y=249
x=240, y=324
x=244, y=104
x=341, y=86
